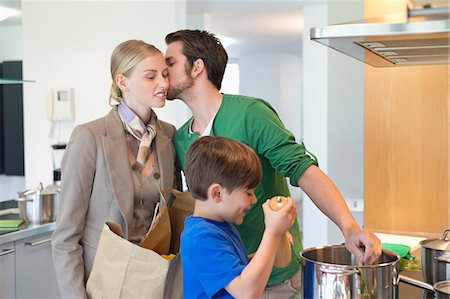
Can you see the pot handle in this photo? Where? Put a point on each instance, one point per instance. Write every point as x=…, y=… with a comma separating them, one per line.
x=417, y=283
x=443, y=259
x=395, y=276
x=24, y=199
x=444, y=235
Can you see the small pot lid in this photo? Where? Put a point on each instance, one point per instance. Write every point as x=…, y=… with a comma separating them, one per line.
x=40, y=190
x=443, y=286
x=443, y=243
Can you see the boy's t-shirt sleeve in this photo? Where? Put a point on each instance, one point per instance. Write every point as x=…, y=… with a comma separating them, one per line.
x=215, y=262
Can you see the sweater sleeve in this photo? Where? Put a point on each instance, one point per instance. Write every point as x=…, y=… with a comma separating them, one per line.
x=272, y=140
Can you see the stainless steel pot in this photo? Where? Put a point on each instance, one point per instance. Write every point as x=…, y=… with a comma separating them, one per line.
x=436, y=258
x=39, y=205
x=442, y=289
x=333, y=272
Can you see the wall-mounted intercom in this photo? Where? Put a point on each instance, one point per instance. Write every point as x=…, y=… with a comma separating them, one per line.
x=61, y=104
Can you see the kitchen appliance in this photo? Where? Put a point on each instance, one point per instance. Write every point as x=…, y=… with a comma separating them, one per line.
x=420, y=35
x=39, y=205
x=58, y=153
x=333, y=272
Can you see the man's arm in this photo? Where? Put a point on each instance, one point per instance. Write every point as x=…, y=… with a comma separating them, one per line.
x=328, y=199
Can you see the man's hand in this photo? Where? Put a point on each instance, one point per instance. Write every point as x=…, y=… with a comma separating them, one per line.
x=364, y=245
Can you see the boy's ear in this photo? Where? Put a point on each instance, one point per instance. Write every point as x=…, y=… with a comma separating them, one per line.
x=215, y=192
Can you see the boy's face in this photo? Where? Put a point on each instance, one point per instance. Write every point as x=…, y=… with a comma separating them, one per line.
x=234, y=204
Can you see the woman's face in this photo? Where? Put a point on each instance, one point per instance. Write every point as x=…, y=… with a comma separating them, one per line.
x=147, y=85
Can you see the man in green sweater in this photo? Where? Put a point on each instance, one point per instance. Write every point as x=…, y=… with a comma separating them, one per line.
x=196, y=61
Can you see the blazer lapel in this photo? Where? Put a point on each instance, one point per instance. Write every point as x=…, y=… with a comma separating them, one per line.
x=165, y=159
x=116, y=156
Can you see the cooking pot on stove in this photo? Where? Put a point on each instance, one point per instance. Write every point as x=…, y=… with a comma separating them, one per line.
x=435, y=256
x=39, y=205
x=442, y=289
x=334, y=272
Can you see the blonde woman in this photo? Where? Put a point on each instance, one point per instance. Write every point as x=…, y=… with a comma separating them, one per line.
x=114, y=167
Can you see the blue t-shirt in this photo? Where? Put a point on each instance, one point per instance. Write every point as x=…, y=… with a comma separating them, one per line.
x=212, y=255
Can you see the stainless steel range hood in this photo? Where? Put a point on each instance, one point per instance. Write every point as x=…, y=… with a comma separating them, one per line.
x=419, y=36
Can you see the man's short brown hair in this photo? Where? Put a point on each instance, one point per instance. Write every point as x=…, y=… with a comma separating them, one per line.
x=228, y=162
x=202, y=45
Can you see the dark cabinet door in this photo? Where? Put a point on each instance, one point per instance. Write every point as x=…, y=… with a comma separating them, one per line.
x=12, y=121
x=2, y=166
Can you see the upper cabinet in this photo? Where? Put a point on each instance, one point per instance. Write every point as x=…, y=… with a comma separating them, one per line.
x=11, y=120
x=406, y=146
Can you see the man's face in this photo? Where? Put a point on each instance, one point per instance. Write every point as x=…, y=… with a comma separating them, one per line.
x=179, y=75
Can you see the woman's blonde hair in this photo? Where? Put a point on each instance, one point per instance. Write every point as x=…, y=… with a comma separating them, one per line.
x=123, y=61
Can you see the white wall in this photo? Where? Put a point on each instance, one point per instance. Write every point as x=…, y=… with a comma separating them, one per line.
x=276, y=78
x=333, y=116
x=346, y=118
x=315, y=118
x=69, y=43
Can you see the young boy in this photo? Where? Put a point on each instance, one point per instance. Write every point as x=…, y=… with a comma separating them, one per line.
x=221, y=174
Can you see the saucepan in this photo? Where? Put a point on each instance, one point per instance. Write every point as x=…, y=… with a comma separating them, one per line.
x=334, y=272
x=435, y=255
x=39, y=205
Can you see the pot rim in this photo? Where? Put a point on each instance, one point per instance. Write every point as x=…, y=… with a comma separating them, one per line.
x=347, y=267
x=442, y=286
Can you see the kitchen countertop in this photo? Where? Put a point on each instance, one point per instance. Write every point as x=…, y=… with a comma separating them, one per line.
x=25, y=230
x=413, y=242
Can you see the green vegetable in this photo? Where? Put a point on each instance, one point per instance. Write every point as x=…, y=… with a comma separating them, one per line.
x=410, y=264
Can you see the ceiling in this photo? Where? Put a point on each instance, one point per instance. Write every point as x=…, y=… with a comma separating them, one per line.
x=15, y=4
x=255, y=25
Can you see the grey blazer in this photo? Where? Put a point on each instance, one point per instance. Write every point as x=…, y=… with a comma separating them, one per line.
x=96, y=187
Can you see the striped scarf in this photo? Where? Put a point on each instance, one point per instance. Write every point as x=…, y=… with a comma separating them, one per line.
x=144, y=133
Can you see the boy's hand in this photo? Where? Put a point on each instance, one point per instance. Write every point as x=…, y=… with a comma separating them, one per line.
x=279, y=222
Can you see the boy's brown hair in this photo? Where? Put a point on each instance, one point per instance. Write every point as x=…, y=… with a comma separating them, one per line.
x=213, y=159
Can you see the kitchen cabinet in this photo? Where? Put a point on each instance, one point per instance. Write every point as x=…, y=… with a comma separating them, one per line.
x=35, y=274
x=11, y=120
x=7, y=271
x=26, y=264
x=406, y=144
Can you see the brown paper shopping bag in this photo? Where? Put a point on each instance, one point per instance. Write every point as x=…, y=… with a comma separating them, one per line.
x=182, y=206
x=159, y=234
x=124, y=270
